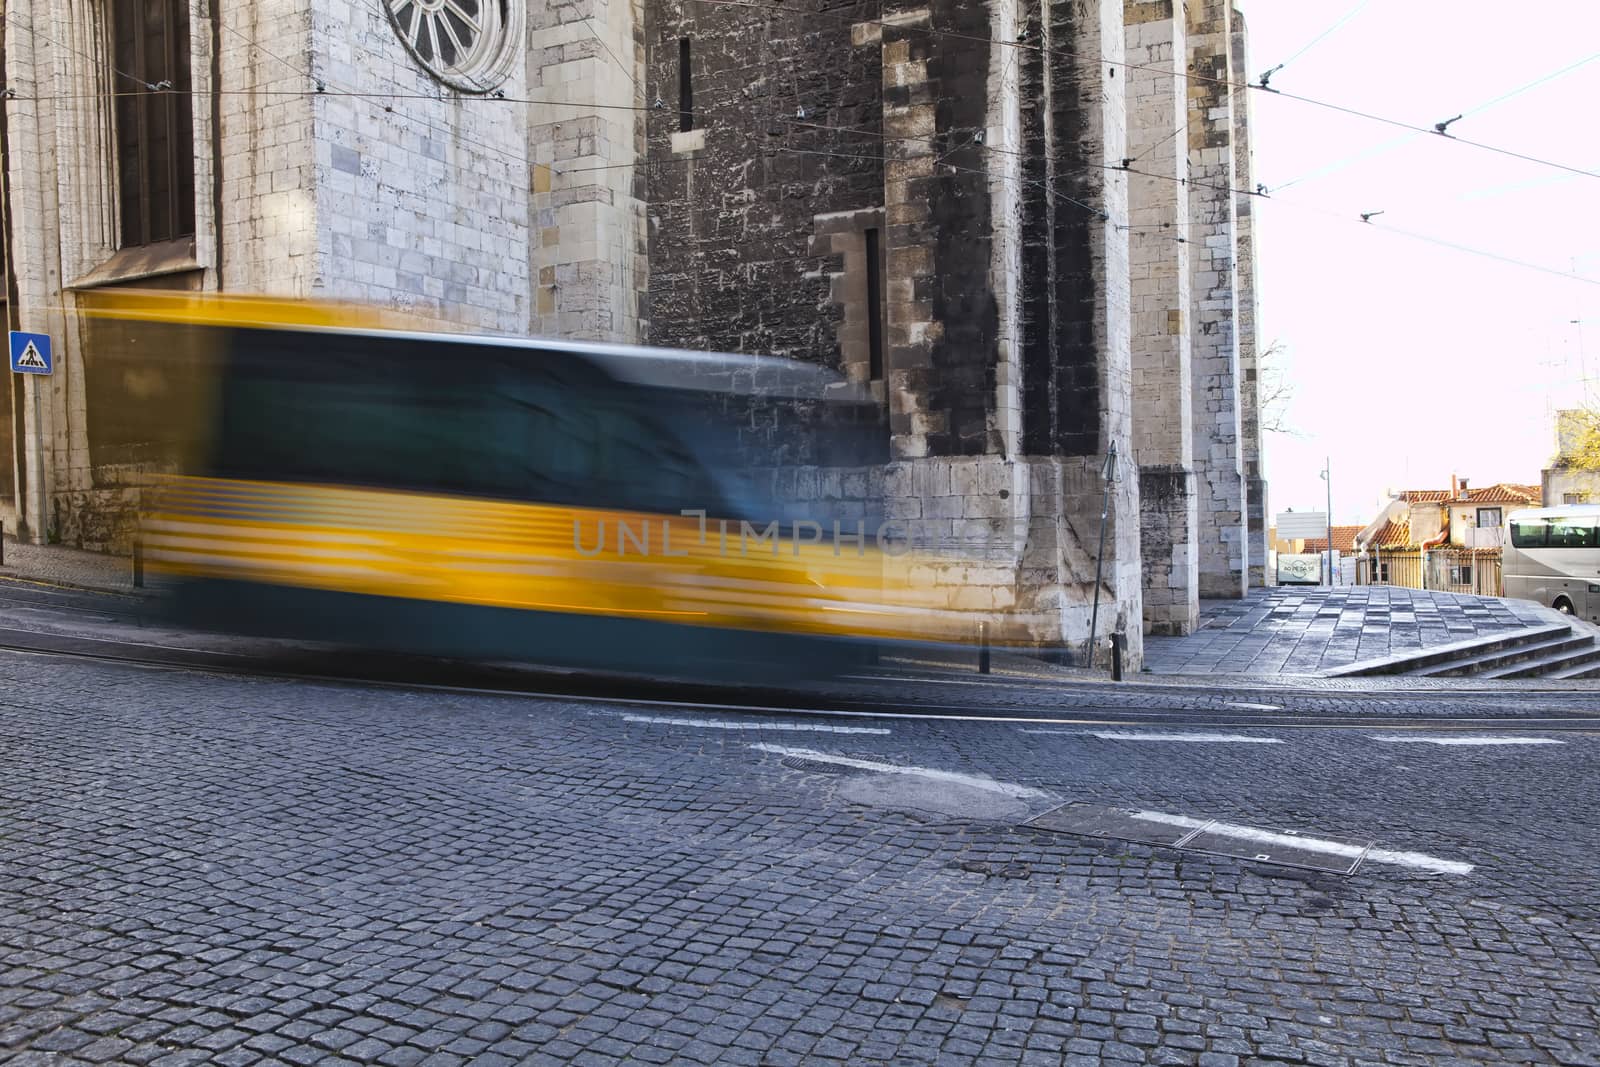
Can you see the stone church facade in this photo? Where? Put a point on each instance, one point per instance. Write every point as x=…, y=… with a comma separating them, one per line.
x=1025, y=225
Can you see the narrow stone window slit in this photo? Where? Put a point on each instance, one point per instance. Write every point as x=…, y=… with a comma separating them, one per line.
x=685, y=88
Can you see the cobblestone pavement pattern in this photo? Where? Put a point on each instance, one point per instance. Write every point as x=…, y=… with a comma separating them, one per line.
x=212, y=869
x=1289, y=630
x=68, y=566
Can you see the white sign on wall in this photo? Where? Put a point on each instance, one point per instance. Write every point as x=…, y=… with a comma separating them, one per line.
x=1299, y=569
x=1293, y=525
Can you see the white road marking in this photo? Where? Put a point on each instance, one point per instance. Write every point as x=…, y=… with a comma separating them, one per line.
x=1017, y=680
x=1468, y=740
x=976, y=781
x=1253, y=707
x=1237, y=739
x=1416, y=860
x=724, y=724
x=1109, y=735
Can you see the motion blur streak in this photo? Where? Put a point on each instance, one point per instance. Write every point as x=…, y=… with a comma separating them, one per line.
x=558, y=502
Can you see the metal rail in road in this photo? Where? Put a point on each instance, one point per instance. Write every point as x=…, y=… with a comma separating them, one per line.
x=1075, y=704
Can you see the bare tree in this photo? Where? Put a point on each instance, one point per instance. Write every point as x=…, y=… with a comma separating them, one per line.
x=1274, y=390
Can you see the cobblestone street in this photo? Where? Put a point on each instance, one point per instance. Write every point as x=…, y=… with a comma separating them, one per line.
x=1304, y=630
x=220, y=869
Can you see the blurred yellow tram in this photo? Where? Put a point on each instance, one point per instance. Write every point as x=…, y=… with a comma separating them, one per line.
x=557, y=502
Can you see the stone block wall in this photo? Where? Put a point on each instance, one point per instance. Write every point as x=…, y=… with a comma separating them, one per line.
x=1170, y=553
x=268, y=229
x=784, y=126
x=75, y=481
x=1007, y=298
x=1159, y=226
x=421, y=196
x=1077, y=363
x=1214, y=327
x=942, y=311
x=586, y=142
x=1251, y=455
x=1031, y=310
x=32, y=189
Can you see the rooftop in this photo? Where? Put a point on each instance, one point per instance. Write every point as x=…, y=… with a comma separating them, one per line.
x=1344, y=540
x=1499, y=493
x=1391, y=535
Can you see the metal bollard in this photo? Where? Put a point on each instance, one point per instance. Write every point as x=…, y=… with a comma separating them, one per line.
x=2, y=544
x=138, y=563
x=1116, y=657
x=983, y=648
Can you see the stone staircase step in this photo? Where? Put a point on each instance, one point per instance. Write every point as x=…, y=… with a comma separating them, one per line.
x=1590, y=669
x=1408, y=662
x=1541, y=666
x=1502, y=662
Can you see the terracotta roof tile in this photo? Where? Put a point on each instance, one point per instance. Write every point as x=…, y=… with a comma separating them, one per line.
x=1344, y=540
x=1500, y=493
x=1392, y=535
x=1505, y=493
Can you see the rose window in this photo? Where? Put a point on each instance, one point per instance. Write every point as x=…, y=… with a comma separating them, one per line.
x=467, y=44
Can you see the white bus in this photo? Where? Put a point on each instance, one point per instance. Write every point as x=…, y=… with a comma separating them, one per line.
x=1553, y=557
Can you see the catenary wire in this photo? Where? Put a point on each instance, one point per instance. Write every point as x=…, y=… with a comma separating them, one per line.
x=324, y=90
x=1144, y=230
x=1319, y=38
x=751, y=4
x=626, y=73
x=1380, y=149
x=1064, y=53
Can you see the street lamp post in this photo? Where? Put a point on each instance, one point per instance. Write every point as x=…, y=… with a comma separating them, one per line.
x=1327, y=476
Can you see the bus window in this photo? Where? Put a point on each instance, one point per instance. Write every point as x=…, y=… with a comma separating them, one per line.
x=1572, y=533
x=1529, y=533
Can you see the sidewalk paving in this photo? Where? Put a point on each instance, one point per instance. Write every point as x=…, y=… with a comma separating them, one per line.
x=1291, y=630
x=60, y=565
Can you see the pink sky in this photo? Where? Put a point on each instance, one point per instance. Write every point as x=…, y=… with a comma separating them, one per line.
x=1411, y=361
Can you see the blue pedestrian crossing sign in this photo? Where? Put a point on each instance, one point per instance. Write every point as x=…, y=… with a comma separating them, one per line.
x=30, y=353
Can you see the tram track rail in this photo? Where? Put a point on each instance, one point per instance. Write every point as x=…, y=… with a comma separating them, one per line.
x=1081, y=704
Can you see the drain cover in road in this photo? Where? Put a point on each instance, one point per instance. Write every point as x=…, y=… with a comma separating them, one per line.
x=1092, y=820
x=814, y=766
x=1333, y=855
x=1283, y=848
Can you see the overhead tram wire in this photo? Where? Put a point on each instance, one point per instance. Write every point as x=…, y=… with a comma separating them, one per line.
x=1318, y=39
x=753, y=5
x=765, y=147
x=1441, y=242
x=1379, y=149
x=322, y=88
x=588, y=20
x=1097, y=212
x=1121, y=167
x=760, y=145
x=1568, y=69
x=1357, y=113
x=1156, y=231
x=1178, y=128
x=757, y=5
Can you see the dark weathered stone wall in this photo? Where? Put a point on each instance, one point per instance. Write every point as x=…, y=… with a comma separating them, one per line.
x=1061, y=357
x=1167, y=503
x=731, y=266
x=943, y=318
